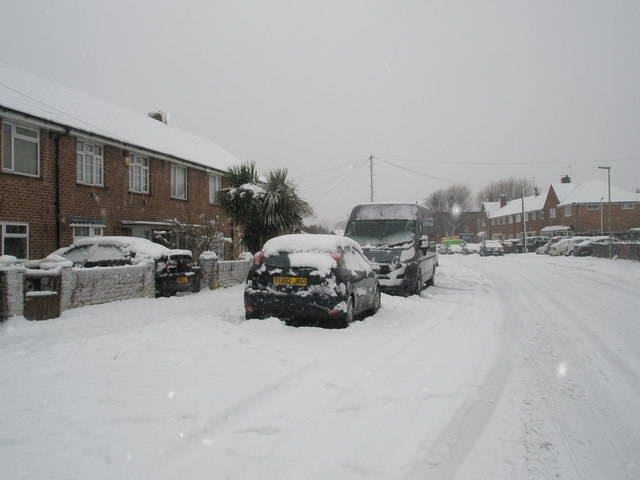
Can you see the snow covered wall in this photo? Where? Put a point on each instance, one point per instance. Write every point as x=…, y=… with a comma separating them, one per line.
x=92, y=286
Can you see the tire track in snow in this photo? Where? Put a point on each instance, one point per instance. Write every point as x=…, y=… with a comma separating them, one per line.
x=572, y=425
x=441, y=458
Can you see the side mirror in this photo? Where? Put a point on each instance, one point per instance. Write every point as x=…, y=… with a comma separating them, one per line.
x=375, y=267
x=424, y=242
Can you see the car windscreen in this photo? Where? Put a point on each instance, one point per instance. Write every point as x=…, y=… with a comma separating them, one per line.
x=313, y=259
x=102, y=255
x=381, y=232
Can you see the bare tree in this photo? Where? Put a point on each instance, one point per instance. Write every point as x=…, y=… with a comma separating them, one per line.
x=510, y=187
x=445, y=206
x=196, y=232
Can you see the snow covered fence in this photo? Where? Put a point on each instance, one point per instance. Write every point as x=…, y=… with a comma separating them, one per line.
x=11, y=287
x=622, y=250
x=92, y=286
x=215, y=273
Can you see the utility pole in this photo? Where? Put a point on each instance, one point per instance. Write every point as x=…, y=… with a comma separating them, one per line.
x=524, y=225
x=371, y=170
x=608, y=169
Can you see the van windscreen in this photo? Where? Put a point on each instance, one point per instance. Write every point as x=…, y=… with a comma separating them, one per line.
x=381, y=232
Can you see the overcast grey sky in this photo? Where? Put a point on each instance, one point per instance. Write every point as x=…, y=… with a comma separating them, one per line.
x=440, y=92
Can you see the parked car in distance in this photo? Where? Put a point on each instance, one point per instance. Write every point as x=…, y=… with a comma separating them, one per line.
x=454, y=248
x=323, y=278
x=173, y=268
x=565, y=246
x=470, y=248
x=533, y=243
x=441, y=249
x=491, y=248
x=584, y=248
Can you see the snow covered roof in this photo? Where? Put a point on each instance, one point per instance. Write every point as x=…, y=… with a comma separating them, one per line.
x=593, y=191
x=490, y=206
x=568, y=193
x=43, y=99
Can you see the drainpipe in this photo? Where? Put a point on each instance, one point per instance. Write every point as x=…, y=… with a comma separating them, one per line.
x=57, y=187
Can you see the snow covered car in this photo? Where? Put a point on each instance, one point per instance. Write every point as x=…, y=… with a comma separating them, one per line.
x=454, y=248
x=173, y=268
x=491, y=248
x=471, y=248
x=565, y=246
x=585, y=247
x=323, y=278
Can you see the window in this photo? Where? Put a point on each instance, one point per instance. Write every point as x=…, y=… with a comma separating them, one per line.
x=627, y=206
x=215, y=183
x=593, y=206
x=15, y=240
x=178, y=182
x=89, y=163
x=510, y=217
x=541, y=215
x=139, y=174
x=567, y=211
x=81, y=231
x=518, y=218
x=552, y=213
x=20, y=150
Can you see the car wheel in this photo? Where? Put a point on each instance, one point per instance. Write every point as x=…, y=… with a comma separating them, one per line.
x=376, y=301
x=432, y=281
x=417, y=288
x=348, y=316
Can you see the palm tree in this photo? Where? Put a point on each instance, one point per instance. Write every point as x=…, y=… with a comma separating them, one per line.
x=265, y=207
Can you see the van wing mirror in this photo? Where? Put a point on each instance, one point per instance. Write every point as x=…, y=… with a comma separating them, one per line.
x=424, y=242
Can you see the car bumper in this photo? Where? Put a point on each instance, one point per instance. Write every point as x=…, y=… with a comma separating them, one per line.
x=261, y=304
x=171, y=285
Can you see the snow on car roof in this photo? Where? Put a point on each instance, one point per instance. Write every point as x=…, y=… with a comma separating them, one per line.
x=135, y=244
x=307, y=243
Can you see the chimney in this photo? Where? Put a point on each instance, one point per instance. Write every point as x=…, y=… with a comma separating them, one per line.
x=535, y=191
x=565, y=179
x=503, y=200
x=160, y=116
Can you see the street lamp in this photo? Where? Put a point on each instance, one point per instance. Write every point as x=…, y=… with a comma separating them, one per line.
x=608, y=169
x=601, y=229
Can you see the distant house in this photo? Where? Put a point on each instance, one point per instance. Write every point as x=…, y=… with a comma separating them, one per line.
x=565, y=208
x=75, y=166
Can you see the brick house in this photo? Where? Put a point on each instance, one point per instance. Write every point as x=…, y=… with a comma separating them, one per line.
x=565, y=208
x=75, y=166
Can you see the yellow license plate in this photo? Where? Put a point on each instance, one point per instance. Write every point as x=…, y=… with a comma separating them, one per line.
x=297, y=281
x=182, y=280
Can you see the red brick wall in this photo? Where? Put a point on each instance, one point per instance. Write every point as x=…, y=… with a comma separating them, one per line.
x=32, y=200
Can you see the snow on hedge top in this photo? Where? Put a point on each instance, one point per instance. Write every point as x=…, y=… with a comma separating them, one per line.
x=298, y=243
x=46, y=100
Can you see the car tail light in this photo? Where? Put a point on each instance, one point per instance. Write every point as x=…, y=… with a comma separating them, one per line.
x=258, y=258
x=172, y=264
x=335, y=256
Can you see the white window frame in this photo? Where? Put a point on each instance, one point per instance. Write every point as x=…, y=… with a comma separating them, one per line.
x=541, y=215
x=89, y=154
x=593, y=206
x=6, y=235
x=176, y=192
x=215, y=185
x=567, y=211
x=93, y=230
x=138, y=165
x=9, y=137
x=627, y=206
x=518, y=218
x=552, y=213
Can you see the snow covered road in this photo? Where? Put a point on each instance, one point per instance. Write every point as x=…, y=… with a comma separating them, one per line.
x=515, y=367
